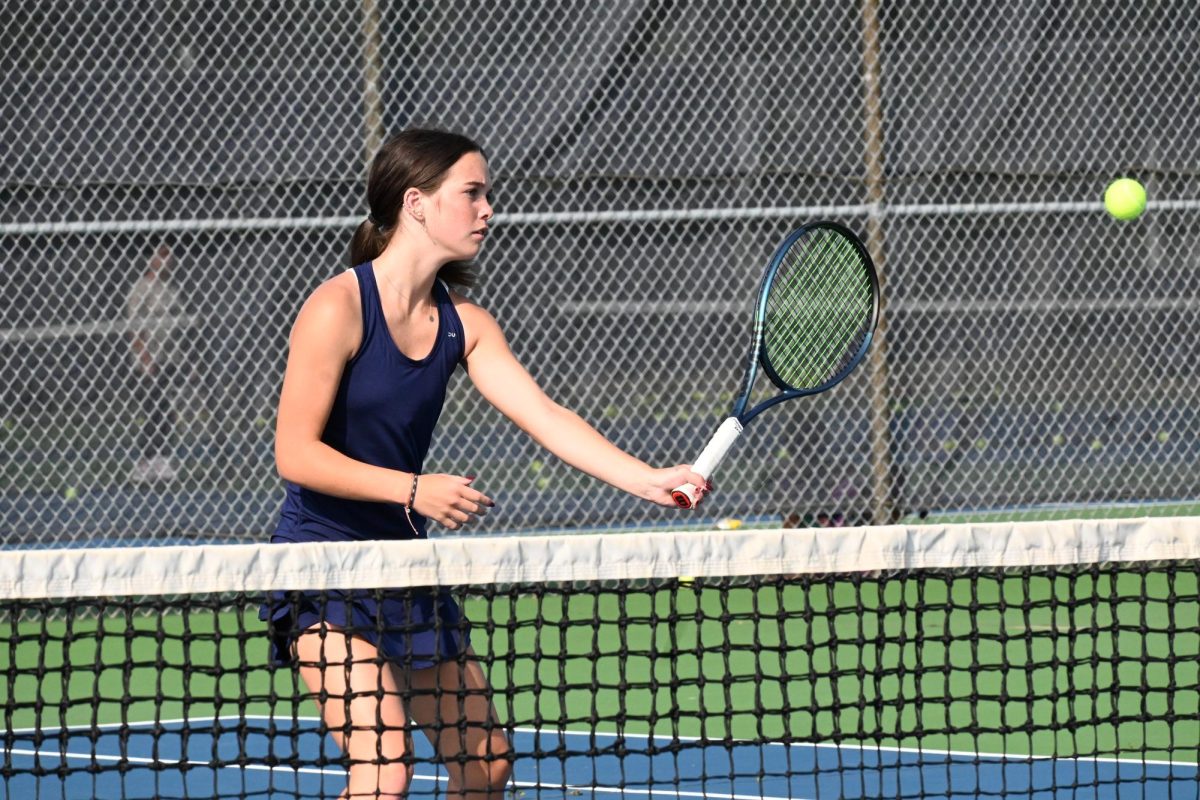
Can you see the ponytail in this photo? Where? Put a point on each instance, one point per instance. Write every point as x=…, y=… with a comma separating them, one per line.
x=367, y=243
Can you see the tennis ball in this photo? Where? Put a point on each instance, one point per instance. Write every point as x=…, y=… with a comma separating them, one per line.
x=1125, y=198
x=70, y=493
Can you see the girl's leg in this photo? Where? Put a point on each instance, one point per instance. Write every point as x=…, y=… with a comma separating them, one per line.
x=361, y=704
x=452, y=703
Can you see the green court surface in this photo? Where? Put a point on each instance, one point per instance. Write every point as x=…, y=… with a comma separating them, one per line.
x=1091, y=662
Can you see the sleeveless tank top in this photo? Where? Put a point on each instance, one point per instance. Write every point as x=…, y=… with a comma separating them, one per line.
x=384, y=413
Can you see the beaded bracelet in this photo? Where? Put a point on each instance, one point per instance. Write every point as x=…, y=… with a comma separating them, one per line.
x=412, y=495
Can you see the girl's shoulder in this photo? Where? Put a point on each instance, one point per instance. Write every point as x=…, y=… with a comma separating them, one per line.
x=334, y=307
x=476, y=320
x=341, y=291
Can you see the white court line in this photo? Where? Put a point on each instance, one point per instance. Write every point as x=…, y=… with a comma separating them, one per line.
x=621, y=790
x=855, y=746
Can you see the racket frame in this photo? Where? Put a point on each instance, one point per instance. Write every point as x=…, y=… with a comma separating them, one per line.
x=758, y=353
x=684, y=495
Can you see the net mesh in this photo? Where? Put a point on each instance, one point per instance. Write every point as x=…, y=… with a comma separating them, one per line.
x=820, y=309
x=648, y=156
x=993, y=660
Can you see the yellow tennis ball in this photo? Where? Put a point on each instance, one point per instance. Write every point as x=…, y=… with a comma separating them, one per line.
x=1125, y=198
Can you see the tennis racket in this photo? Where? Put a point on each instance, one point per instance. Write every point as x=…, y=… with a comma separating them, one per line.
x=817, y=309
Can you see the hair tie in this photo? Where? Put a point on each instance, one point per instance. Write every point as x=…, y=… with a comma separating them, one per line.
x=371, y=218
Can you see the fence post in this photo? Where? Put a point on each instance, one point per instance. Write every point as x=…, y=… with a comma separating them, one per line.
x=372, y=72
x=883, y=485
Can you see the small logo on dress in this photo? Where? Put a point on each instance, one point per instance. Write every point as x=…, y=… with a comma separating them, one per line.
x=451, y=334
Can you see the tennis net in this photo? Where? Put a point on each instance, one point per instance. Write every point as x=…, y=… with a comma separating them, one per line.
x=1049, y=659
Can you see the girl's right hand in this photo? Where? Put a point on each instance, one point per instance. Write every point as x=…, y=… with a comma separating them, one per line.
x=449, y=500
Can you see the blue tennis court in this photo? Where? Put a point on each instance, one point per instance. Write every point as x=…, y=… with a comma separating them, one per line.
x=175, y=759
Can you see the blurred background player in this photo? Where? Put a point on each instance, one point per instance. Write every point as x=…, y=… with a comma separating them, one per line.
x=153, y=307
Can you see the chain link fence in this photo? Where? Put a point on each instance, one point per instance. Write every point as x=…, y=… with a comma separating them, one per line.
x=1036, y=356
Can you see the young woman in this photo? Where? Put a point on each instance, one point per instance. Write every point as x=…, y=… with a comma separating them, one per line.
x=371, y=353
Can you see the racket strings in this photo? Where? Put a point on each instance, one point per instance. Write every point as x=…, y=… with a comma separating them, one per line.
x=818, y=309
x=822, y=327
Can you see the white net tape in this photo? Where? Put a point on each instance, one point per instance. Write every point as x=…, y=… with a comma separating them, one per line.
x=648, y=157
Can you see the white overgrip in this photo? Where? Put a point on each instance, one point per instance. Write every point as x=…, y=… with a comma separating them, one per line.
x=710, y=458
x=714, y=452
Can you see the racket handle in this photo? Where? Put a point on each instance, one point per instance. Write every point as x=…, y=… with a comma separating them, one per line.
x=686, y=496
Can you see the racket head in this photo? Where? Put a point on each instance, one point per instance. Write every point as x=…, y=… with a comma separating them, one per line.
x=817, y=310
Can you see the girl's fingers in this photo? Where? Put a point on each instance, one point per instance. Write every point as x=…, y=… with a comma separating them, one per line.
x=483, y=500
x=471, y=507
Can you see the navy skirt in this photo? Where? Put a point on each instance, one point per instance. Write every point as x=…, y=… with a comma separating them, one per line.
x=414, y=628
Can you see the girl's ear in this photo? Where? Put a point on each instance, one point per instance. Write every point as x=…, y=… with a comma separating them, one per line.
x=413, y=204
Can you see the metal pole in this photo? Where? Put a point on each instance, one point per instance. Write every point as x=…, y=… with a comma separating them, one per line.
x=884, y=489
x=372, y=71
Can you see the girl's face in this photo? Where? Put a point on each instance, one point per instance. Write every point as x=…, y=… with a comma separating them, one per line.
x=456, y=215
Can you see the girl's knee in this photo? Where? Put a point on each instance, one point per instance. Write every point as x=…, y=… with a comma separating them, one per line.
x=499, y=773
x=388, y=781
x=487, y=776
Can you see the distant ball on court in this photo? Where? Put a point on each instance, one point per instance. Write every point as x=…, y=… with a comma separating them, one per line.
x=1125, y=198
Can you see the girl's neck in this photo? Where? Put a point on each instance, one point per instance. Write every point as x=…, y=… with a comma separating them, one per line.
x=406, y=276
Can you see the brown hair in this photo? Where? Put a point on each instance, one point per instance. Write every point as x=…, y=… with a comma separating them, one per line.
x=417, y=158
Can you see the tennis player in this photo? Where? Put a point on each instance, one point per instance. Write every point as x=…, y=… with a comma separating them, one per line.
x=153, y=307
x=372, y=350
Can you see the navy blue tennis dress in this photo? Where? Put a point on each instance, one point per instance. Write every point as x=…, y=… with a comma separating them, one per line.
x=386, y=408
